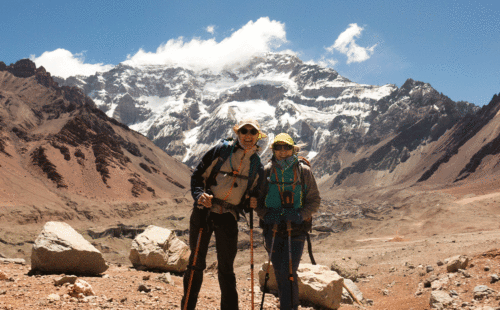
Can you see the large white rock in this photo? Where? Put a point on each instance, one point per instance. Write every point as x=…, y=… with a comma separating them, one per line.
x=317, y=284
x=159, y=248
x=60, y=249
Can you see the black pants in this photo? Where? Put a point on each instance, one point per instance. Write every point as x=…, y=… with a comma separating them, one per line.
x=226, y=242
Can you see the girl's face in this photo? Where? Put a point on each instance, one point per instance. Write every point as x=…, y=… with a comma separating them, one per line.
x=248, y=136
x=282, y=150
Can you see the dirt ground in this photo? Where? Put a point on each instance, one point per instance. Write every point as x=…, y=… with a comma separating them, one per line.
x=393, y=245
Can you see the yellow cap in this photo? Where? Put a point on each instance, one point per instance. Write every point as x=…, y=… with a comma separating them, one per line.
x=283, y=138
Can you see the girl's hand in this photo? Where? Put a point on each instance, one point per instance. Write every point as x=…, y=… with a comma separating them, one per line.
x=205, y=200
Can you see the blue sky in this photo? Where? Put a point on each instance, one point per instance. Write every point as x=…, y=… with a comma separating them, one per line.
x=453, y=45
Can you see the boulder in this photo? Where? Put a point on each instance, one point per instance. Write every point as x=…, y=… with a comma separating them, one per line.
x=346, y=268
x=60, y=249
x=318, y=285
x=457, y=262
x=159, y=248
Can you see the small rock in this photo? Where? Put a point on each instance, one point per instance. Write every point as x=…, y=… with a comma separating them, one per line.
x=440, y=263
x=464, y=273
x=429, y=268
x=440, y=297
x=19, y=261
x=146, y=277
x=457, y=262
x=80, y=289
x=440, y=283
x=429, y=280
x=65, y=279
x=166, y=277
x=486, y=268
x=494, y=278
x=482, y=291
x=144, y=288
x=420, y=289
x=53, y=297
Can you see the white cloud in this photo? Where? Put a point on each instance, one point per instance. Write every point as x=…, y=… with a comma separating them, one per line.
x=63, y=63
x=346, y=44
x=326, y=62
x=252, y=39
x=210, y=29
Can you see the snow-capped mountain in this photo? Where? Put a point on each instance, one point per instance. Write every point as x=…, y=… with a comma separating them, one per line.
x=342, y=123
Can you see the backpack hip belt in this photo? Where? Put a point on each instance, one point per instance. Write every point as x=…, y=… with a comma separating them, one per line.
x=223, y=203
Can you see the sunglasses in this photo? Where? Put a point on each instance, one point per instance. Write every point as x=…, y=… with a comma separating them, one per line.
x=279, y=147
x=252, y=131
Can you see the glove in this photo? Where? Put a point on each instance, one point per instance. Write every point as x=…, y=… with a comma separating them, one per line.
x=295, y=218
x=271, y=217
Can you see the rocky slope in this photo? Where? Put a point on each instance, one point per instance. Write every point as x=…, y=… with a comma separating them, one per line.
x=63, y=158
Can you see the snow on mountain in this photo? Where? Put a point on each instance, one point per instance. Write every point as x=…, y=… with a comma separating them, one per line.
x=186, y=112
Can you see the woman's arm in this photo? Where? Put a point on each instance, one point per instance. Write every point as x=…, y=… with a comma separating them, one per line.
x=312, y=199
x=198, y=178
x=262, y=192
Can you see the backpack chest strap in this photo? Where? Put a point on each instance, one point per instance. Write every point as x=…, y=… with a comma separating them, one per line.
x=235, y=175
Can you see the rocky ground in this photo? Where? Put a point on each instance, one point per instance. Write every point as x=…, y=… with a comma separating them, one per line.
x=392, y=274
x=397, y=250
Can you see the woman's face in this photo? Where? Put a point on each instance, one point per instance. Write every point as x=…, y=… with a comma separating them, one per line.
x=282, y=150
x=248, y=136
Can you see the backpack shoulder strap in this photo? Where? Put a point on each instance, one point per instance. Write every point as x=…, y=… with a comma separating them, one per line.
x=304, y=161
x=254, y=167
x=226, y=148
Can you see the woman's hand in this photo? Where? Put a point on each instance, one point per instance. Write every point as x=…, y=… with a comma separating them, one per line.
x=253, y=202
x=295, y=218
x=272, y=217
x=205, y=200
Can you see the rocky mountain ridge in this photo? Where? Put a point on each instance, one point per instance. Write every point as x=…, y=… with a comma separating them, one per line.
x=348, y=128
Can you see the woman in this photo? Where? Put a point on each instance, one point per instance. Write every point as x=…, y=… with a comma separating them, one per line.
x=227, y=175
x=289, y=197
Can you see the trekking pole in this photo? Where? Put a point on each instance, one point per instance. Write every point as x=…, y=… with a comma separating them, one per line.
x=200, y=232
x=251, y=256
x=275, y=229
x=290, y=269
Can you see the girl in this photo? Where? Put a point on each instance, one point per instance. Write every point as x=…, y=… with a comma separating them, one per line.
x=289, y=197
